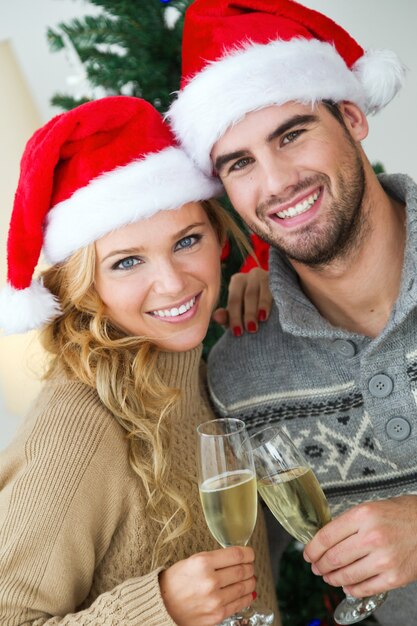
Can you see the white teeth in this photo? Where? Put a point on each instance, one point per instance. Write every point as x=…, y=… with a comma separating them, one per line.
x=175, y=311
x=300, y=207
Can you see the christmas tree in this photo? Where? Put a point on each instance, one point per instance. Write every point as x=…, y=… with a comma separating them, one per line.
x=134, y=48
x=131, y=48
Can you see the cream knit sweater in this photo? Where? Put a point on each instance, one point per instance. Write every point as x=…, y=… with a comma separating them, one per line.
x=75, y=539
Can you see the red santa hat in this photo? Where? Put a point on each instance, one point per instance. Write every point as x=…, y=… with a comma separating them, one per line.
x=244, y=55
x=85, y=173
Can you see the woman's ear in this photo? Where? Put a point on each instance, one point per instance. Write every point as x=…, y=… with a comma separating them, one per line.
x=355, y=120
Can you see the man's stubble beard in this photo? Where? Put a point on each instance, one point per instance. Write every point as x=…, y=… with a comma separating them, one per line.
x=346, y=225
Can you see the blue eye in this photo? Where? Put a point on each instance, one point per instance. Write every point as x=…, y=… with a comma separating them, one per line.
x=187, y=242
x=126, y=264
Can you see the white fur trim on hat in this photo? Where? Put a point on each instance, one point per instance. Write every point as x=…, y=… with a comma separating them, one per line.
x=382, y=74
x=25, y=309
x=259, y=75
x=161, y=181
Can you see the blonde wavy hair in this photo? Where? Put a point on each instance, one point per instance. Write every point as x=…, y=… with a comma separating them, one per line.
x=122, y=369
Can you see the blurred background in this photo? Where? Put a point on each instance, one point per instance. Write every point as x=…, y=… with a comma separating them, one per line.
x=50, y=50
x=31, y=74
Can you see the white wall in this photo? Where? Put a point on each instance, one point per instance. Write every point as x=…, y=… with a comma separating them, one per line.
x=34, y=74
x=385, y=24
x=19, y=117
x=24, y=23
x=29, y=75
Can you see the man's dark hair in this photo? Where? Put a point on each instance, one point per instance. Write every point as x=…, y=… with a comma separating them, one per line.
x=333, y=108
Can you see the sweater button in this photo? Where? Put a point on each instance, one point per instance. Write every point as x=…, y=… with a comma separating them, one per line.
x=344, y=347
x=398, y=428
x=380, y=385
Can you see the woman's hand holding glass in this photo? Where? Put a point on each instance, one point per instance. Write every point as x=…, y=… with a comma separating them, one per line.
x=227, y=484
x=209, y=586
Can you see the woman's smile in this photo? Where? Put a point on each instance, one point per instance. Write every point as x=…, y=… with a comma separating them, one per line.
x=178, y=313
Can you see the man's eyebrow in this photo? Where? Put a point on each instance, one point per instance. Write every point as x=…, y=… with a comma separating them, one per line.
x=296, y=120
x=225, y=158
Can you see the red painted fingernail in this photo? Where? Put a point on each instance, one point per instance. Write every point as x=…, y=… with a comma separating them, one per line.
x=252, y=327
x=254, y=595
x=237, y=331
x=261, y=315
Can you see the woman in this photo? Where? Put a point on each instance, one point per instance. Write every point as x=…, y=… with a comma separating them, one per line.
x=100, y=520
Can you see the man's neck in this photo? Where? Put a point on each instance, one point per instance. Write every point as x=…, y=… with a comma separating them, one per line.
x=357, y=292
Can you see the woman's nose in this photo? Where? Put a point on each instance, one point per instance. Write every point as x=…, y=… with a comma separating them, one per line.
x=169, y=279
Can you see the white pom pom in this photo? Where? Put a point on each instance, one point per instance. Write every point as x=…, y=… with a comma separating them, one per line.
x=381, y=75
x=171, y=17
x=25, y=309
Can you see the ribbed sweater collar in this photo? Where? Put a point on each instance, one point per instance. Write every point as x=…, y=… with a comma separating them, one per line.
x=180, y=370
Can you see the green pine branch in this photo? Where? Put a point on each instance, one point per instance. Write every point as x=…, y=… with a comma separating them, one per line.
x=127, y=49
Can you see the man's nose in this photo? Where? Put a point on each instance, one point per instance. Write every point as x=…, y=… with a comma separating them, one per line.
x=278, y=175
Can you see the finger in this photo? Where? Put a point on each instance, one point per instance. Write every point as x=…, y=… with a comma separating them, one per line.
x=257, y=299
x=220, y=316
x=331, y=534
x=251, y=305
x=235, y=300
x=238, y=605
x=227, y=557
x=234, y=574
x=238, y=591
x=341, y=555
x=353, y=574
x=265, y=300
x=358, y=576
x=369, y=587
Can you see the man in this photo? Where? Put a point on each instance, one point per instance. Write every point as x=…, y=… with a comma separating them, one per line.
x=274, y=98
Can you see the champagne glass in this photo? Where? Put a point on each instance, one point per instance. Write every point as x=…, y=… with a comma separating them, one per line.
x=227, y=485
x=293, y=494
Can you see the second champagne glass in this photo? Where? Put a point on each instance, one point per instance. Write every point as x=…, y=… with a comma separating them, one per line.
x=293, y=494
x=227, y=484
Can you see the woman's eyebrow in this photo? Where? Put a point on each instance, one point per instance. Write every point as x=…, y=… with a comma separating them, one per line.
x=126, y=251
x=183, y=231
x=140, y=249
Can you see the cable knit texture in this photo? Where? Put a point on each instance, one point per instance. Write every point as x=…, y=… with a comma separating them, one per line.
x=75, y=540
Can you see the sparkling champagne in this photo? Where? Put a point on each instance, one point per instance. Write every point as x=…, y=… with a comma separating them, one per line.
x=230, y=506
x=297, y=501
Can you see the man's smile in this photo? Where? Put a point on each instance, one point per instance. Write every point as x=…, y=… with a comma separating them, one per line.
x=298, y=210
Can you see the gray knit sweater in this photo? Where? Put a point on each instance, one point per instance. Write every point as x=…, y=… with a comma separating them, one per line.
x=348, y=401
